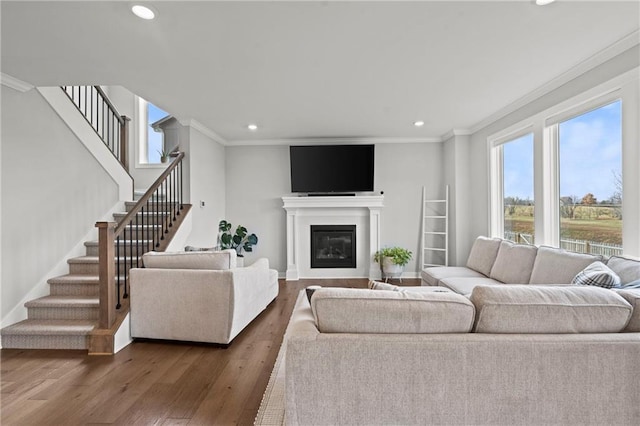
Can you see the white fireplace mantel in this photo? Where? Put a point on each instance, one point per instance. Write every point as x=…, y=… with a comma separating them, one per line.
x=362, y=211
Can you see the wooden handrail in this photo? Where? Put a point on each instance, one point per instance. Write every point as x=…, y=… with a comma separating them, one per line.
x=147, y=195
x=121, y=245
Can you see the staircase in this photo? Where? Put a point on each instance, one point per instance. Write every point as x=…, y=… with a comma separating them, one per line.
x=65, y=318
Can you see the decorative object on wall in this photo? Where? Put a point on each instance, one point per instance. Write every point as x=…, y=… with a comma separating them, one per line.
x=392, y=261
x=240, y=240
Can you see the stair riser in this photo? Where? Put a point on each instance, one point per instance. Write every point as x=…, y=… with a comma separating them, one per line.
x=152, y=207
x=145, y=234
x=127, y=250
x=74, y=289
x=84, y=268
x=94, y=269
x=151, y=219
x=51, y=313
x=44, y=342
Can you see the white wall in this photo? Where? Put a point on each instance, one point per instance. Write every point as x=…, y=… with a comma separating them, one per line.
x=53, y=191
x=205, y=159
x=478, y=152
x=258, y=176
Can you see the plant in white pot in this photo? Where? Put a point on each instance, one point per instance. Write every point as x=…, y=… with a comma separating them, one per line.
x=392, y=260
x=240, y=240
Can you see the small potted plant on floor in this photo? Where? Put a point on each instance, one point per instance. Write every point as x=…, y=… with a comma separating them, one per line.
x=239, y=241
x=392, y=260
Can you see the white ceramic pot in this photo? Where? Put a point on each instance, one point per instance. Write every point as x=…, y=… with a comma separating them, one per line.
x=389, y=268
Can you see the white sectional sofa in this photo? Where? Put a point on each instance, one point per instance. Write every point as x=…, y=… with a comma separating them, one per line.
x=496, y=261
x=504, y=354
x=198, y=296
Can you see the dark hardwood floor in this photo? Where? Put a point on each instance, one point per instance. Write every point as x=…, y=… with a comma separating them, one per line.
x=152, y=382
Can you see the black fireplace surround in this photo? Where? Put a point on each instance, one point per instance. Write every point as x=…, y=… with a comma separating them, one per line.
x=333, y=246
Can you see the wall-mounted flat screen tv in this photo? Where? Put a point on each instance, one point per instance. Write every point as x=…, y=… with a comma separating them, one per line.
x=332, y=168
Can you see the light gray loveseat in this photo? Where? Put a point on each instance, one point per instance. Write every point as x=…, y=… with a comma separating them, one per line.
x=505, y=354
x=198, y=296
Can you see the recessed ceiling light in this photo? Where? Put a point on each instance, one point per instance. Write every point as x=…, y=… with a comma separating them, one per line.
x=418, y=123
x=252, y=127
x=544, y=2
x=143, y=12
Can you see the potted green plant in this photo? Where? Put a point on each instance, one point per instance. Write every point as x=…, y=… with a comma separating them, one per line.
x=392, y=260
x=239, y=241
x=164, y=155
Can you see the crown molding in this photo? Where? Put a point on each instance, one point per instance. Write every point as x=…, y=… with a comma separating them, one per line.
x=455, y=132
x=14, y=83
x=332, y=140
x=205, y=131
x=599, y=58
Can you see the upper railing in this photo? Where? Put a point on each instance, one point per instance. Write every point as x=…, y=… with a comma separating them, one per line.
x=144, y=228
x=100, y=113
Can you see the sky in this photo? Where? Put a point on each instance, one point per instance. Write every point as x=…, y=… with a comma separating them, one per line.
x=590, y=151
x=155, y=138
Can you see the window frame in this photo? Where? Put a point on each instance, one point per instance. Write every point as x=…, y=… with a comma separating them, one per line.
x=545, y=128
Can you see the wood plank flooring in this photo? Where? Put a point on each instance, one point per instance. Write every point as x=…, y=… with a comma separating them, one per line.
x=152, y=382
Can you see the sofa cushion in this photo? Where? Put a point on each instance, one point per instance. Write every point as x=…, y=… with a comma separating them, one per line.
x=597, y=274
x=353, y=310
x=633, y=297
x=377, y=285
x=627, y=269
x=549, y=309
x=557, y=266
x=483, y=254
x=216, y=260
x=465, y=285
x=433, y=275
x=514, y=263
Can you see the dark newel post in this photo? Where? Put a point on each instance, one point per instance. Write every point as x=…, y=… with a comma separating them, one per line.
x=124, y=142
x=107, y=314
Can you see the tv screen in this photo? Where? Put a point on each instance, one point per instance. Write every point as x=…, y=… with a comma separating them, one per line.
x=332, y=168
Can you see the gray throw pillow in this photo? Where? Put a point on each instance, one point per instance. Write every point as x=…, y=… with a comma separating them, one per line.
x=597, y=274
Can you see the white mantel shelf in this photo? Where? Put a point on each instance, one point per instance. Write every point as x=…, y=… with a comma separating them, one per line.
x=363, y=211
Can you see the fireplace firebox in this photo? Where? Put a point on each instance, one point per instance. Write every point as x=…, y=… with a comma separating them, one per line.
x=333, y=246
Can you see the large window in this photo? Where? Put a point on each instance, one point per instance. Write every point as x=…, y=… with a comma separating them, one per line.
x=517, y=189
x=150, y=141
x=572, y=159
x=590, y=180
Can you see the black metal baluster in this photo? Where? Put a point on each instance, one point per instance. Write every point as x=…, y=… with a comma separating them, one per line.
x=118, y=305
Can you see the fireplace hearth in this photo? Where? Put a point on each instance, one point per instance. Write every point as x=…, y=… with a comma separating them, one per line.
x=333, y=246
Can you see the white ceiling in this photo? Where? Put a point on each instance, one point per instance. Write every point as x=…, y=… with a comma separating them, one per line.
x=314, y=69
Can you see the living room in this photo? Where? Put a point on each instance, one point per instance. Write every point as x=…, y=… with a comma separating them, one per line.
x=466, y=98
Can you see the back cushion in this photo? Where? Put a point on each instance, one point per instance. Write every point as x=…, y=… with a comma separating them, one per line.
x=354, y=310
x=514, y=263
x=483, y=254
x=633, y=297
x=627, y=269
x=549, y=309
x=556, y=266
x=216, y=260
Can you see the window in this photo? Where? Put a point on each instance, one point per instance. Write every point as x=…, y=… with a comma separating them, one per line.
x=590, y=181
x=150, y=141
x=517, y=188
x=574, y=157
